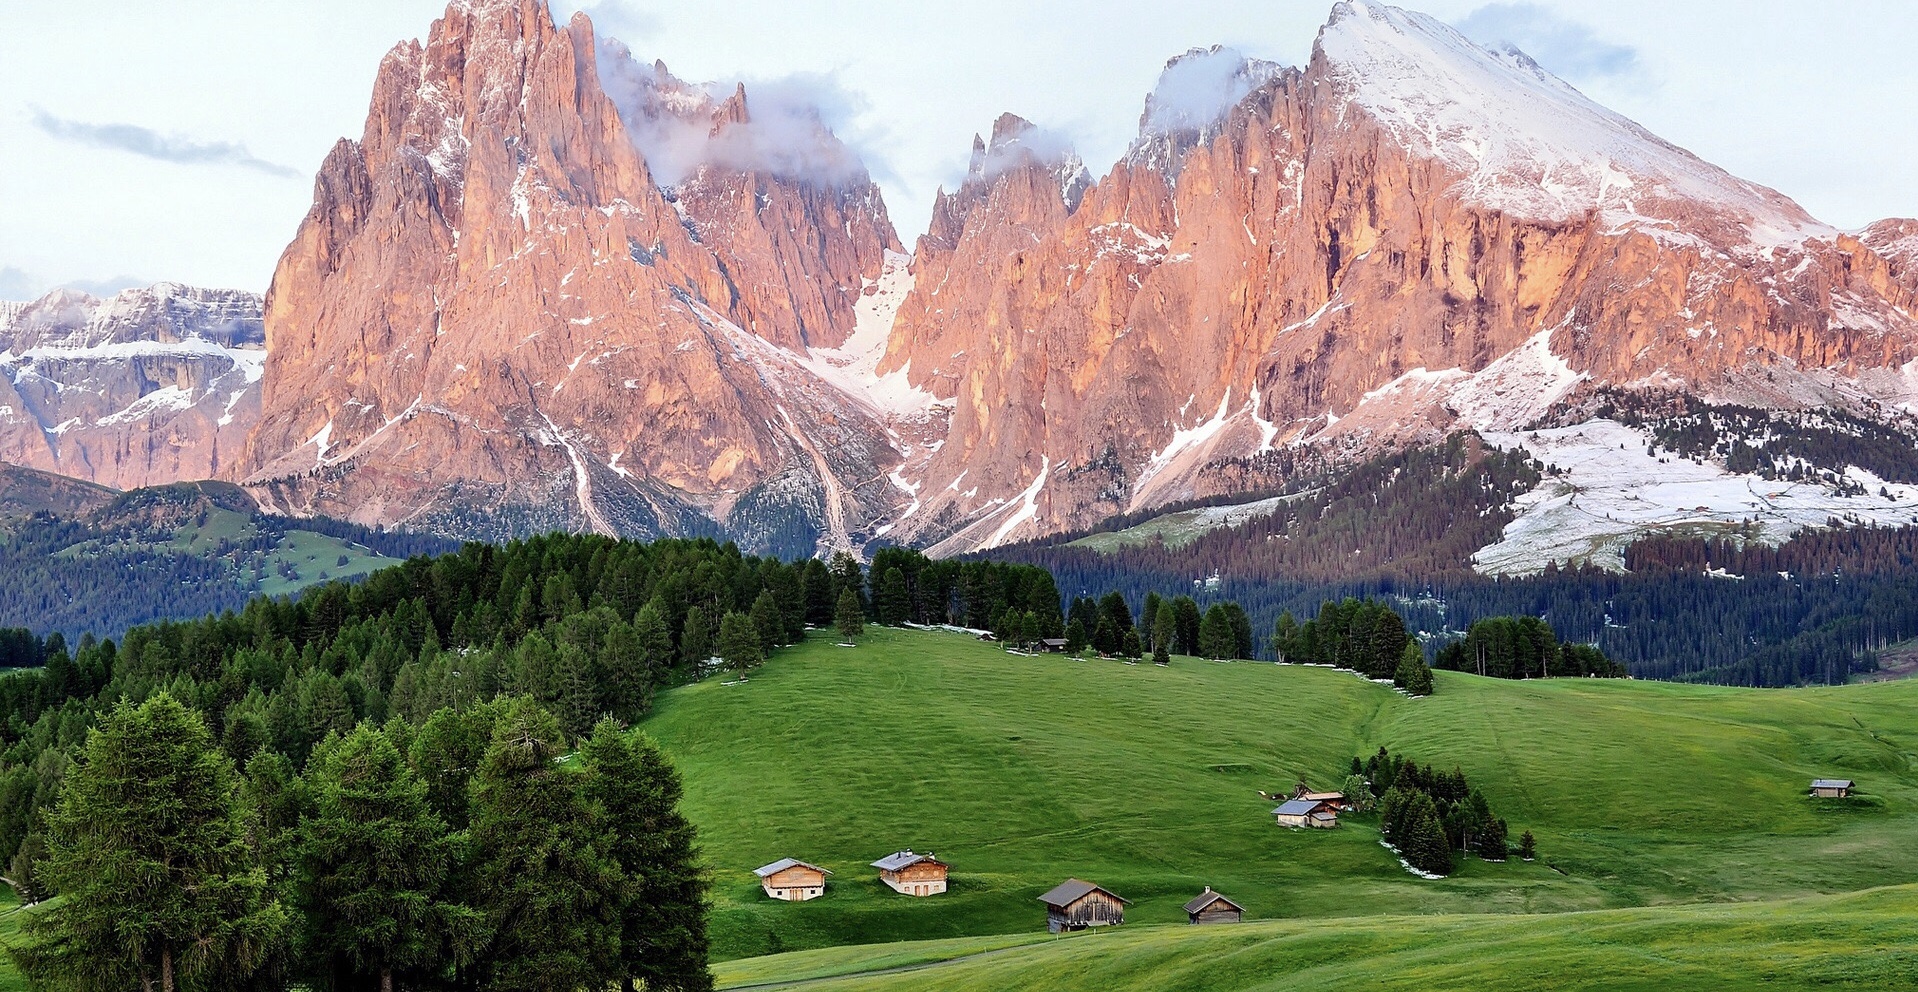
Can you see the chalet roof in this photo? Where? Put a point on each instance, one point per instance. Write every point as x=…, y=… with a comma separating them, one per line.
x=1072, y=890
x=903, y=859
x=1325, y=797
x=1325, y=817
x=784, y=863
x=1296, y=807
x=1207, y=898
x=1831, y=783
x=1053, y=642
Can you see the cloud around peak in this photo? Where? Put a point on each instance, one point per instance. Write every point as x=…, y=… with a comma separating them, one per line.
x=1563, y=46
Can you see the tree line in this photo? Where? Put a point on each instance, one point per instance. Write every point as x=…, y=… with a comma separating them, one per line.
x=469, y=853
x=1523, y=648
x=1363, y=635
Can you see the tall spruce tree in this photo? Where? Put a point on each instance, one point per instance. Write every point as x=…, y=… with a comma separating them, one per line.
x=148, y=850
x=663, y=908
x=371, y=885
x=739, y=642
x=849, y=618
x=1165, y=628
x=1185, y=625
x=1216, y=639
x=696, y=640
x=655, y=637
x=543, y=865
x=768, y=621
x=891, y=603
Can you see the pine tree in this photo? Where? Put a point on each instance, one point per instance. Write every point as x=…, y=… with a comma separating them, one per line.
x=1215, y=633
x=1076, y=637
x=696, y=641
x=849, y=618
x=768, y=621
x=579, y=689
x=663, y=909
x=1165, y=628
x=1420, y=837
x=1527, y=846
x=1129, y=645
x=544, y=870
x=446, y=751
x=1285, y=638
x=147, y=849
x=891, y=604
x=739, y=643
x=373, y=868
x=1105, y=637
x=629, y=681
x=1185, y=626
x=655, y=637
x=1160, y=656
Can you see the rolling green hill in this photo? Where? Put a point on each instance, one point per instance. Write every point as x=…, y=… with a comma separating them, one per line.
x=1023, y=771
x=1865, y=940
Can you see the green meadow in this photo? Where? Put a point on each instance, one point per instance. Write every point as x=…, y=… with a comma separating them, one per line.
x=1023, y=771
x=1863, y=940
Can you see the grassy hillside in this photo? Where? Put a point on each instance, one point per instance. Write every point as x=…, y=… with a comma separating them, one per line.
x=1857, y=941
x=168, y=552
x=1023, y=771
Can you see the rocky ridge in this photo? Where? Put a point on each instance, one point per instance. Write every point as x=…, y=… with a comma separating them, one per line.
x=146, y=387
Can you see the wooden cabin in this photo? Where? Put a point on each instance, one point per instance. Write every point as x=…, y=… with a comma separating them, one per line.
x=1832, y=788
x=1211, y=907
x=792, y=880
x=1077, y=905
x=1334, y=800
x=1052, y=645
x=913, y=874
x=1306, y=813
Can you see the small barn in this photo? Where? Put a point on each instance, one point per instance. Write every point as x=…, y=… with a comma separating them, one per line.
x=1079, y=905
x=1306, y=813
x=913, y=874
x=792, y=880
x=1052, y=645
x=1832, y=788
x=1211, y=907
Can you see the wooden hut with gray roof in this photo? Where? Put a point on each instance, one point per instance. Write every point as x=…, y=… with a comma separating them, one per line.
x=913, y=874
x=1212, y=907
x=1832, y=788
x=792, y=880
x=1080, y=905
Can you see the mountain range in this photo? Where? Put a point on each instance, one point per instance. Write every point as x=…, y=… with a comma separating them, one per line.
x=552, y=286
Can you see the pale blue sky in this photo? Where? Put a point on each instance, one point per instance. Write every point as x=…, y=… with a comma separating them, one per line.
x=178, y=140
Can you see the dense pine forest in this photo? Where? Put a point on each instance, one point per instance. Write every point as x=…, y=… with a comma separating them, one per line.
x=1402, y=528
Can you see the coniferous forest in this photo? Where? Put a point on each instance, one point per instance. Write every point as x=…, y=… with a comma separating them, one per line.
x=1402, y=528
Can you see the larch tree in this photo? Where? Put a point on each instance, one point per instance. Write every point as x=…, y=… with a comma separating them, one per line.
x=147, y=848
x=371, y=883
x=543, y=865
x=663, y=944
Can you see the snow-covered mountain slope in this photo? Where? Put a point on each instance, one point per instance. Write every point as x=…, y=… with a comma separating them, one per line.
x=1525, y=141
x=1612, y=489
x=146, y=387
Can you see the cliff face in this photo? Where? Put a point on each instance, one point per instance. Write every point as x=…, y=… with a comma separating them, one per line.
x=498, y=318
x=1412, y=234
x=151, y=386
